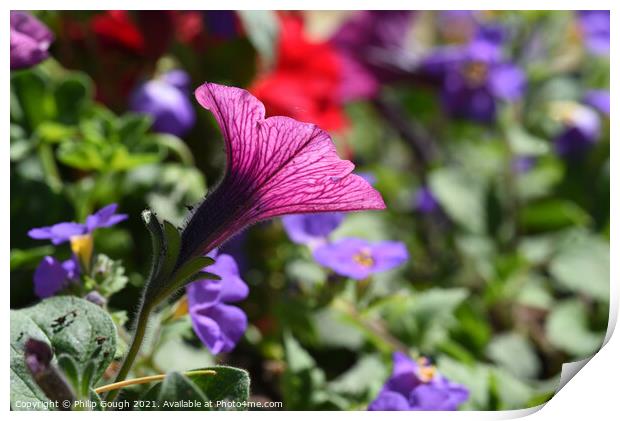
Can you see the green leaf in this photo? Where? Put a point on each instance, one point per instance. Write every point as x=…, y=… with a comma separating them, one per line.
x=424, y=318
x=29, y=258
x=174, y=391
x=75, y=329
x=121, y=159
x=461, y=196
x=297, y=358
x=53, y=132
x=133, y=128
x=540, y=180
x=81, y=155
x=515, y=353
x=32, y=92
x=524, y=143
x=567, y=329
x=582, y=265
x=511, y=392
x=228, y=384
x=72, y=95
x=363, y=379
x=552, y=214
x=175, y=145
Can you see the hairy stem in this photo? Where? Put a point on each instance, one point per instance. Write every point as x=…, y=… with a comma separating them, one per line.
x=136, y=343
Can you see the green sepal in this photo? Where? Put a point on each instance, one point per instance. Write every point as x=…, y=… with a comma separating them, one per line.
x=158, y=243
x=173, y=245
x=167, y=276
x=189, y=272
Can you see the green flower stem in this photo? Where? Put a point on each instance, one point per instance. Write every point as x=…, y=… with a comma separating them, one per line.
x=136, y=343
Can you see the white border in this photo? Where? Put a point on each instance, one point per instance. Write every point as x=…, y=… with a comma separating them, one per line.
x=593, y=391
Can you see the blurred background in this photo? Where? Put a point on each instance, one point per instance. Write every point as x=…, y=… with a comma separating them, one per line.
x=487, y=134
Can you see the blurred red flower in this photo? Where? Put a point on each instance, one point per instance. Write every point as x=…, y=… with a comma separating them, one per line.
x=306, y=81
x=115, y=29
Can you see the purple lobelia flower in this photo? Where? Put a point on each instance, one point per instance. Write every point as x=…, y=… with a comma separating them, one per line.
x=581, y=129
x=475, y=76
x=425, y=201
x=372, y=44
x=599, y=99
x=595, y=27
x=358, y=259
x=313, y=228
x=416, y=386
x=52, y=276
x=65, y=231
x=218, y=324
x=166, y=100
x=276, y=166
x=30, y=40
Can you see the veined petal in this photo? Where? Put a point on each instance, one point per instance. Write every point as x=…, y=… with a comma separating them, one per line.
x=276, y=166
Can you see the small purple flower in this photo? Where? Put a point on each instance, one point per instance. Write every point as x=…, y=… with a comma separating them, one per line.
x=166, y=100
x=581, y=130
x=373, y=50
x=425, y=201
x=475, y=76
x=595, y=27
x=311, y=228
x=65, y=231
x=218, y=324
x=30, y=40
x=523, y=163
x=358, y=259
x=599, y=99
x=416, y=386
x=52, y=276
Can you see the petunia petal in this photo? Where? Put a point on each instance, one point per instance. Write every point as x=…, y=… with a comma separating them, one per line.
x=276, y=166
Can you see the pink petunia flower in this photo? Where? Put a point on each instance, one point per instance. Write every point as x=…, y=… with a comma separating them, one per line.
x=275, y=166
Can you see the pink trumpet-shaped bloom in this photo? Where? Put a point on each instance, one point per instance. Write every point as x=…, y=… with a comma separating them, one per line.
x=275, y=166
